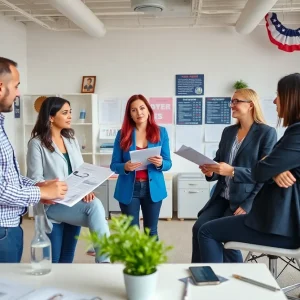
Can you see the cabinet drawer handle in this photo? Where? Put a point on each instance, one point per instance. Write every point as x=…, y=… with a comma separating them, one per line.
x=193, y=192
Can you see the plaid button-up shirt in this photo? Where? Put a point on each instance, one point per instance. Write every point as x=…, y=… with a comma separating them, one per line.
x=16, y=191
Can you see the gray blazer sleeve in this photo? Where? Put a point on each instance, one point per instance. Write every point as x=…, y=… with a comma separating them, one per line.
x=35, y=168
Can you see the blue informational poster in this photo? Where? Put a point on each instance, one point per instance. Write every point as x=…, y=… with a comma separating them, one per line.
x=217, y=110
x=17, y=108
x=189, y=111
x=190, y=85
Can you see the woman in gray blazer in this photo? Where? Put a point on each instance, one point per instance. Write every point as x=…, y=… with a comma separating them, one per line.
x=53, y=152
x=241, y=146
x=274, y=219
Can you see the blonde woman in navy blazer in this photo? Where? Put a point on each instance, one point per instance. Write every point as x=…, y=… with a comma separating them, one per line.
x=145, y=189
x=242, y=145
x=274, y=219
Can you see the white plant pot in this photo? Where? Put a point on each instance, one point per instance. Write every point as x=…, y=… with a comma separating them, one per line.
x=141, y=287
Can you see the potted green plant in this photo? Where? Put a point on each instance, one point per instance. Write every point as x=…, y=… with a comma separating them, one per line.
x=240, y=84
x=137, y=250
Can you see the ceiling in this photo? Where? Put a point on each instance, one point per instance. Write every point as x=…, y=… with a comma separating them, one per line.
x=118, y=14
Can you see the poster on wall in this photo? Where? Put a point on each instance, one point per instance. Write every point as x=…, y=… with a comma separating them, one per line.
x=109, y=111
x=108, y=132
x=170, y=131
x=190, y=137
x=189, y=111
x=211, y=150
x=190, y=85
x=217, y=110
x=163, y=109
x=213, y=133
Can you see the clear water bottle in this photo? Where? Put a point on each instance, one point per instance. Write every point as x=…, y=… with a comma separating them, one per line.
x=83, y=143
x=41, y=260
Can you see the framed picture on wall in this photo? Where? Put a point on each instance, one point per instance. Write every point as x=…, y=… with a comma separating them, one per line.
x=88, y=84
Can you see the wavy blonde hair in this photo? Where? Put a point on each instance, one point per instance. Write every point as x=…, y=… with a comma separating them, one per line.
x=251, y=95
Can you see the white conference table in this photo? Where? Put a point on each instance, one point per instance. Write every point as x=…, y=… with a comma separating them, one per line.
x=106, y=281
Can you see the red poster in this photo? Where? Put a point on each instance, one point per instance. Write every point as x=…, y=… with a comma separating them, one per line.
x=163, y=109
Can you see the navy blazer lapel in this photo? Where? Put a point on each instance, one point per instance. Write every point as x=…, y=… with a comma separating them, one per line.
x=249, y=137
x=230, y=140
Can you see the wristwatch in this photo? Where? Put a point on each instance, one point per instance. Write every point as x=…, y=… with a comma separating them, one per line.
x=232, y=174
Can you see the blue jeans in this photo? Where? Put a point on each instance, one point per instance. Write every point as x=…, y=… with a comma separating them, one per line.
x=218, y=209
x=91, y=215
x=11, y=244
x=142, y=198
x=214, y=233
x=63, y=240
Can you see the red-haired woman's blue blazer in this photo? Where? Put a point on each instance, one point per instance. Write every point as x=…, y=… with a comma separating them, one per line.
x=125, y=183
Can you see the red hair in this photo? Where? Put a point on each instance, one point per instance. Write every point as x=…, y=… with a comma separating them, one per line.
x=152, y=130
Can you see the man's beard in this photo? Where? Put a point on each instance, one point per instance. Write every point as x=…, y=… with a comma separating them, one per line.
x=4, y=108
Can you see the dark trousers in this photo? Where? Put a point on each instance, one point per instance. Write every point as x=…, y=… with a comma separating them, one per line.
x=142, y=198
x=11, y=244
x=214, y=233
x=218, y=209
x=63, y=241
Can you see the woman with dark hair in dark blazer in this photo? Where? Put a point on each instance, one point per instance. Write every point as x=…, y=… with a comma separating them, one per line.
x=242, y=145
x=274, y=219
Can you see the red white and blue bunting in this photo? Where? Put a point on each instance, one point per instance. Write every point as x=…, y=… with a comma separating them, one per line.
x=284, y=38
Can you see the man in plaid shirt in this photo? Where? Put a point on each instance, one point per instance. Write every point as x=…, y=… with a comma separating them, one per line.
x=16, y=191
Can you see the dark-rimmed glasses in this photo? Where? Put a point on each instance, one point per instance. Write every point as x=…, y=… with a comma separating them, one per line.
x=234, y=102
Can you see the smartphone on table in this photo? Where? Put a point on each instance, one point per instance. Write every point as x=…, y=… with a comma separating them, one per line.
x=204, y=275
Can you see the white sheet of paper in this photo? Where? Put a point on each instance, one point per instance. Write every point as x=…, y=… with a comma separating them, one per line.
x=211, y=149
x=143, y=155
x=47, y=293
x=213, y=133
x=10, y=290
x=83, y=181
x=170, y=131
x=194, y=156
x=110, y=111
x=190, y=135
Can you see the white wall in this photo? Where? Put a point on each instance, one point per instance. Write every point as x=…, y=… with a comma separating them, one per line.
x=13, y=46
x=146, y=61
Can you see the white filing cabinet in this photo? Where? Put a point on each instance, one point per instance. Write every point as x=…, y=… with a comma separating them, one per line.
x=113, y=204
x=192, y=194
x=101, y=192
x=166, y=211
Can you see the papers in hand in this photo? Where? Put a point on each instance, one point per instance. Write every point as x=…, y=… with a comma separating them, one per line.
x=143, y=155
x=194, y=156
x=14, y=290
x=83, y=181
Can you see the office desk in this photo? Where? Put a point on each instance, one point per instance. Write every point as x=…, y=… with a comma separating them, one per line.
x=106, y=281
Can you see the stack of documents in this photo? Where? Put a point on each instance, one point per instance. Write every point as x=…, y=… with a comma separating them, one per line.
x=16, y=291
x=83, y=181
x=194, y=156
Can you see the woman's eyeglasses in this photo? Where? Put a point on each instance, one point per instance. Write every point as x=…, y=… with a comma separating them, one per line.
x=234, y=102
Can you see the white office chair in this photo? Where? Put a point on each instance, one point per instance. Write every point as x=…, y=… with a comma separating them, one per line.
x=273, y=254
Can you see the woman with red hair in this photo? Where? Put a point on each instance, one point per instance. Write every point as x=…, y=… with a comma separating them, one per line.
x=143, y=188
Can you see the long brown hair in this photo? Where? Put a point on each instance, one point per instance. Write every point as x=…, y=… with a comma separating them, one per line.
x=42, y=128
x=152, y=130
x=288, y=90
